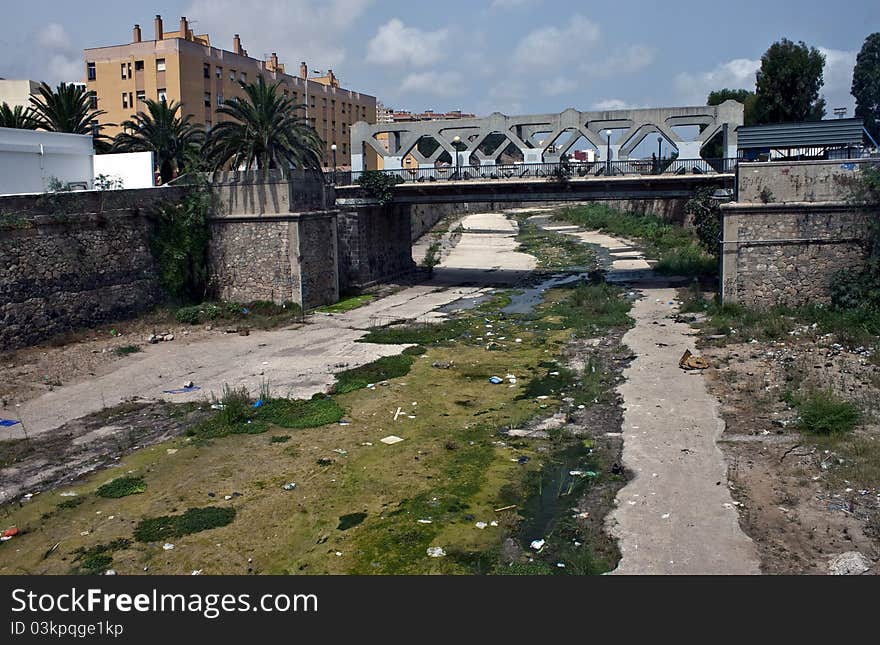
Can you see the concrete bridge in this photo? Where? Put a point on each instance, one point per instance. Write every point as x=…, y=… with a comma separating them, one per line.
x=613, y=135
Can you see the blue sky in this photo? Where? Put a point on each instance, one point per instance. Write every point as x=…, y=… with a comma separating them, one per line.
x=512, y=56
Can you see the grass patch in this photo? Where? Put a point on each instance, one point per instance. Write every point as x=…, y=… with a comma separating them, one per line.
x=418, y=350
x=260, y=314
x=98, y=559
x=824, y=413
x=125, y=350
x=552, y=250
x=73, y=502
x=426, y=334
x=590, y=309
x=195, y=520
x=384, y=369
x=688, y=261
x=279, y=438
x=347, y=304
x=297, y=413
x=122, y=487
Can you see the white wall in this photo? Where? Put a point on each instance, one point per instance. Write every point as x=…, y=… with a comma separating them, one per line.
x=30, y=159
x=133, y=169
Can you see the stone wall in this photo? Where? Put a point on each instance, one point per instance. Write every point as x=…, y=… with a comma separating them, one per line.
x=74, y=260
x=375, y=244
x=795, y=181
x=788, y=253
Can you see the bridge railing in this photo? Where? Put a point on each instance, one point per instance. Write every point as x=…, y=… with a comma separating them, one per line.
x=547, y=171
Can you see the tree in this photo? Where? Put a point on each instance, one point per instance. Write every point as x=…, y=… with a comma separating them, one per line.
x=68, y=108
x=266, y=132
x=16, y=117
x=746, y=97
x=788, y=83
x=866, y=84
x=164, y=132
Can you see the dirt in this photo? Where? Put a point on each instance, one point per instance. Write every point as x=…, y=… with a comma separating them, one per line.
x=794, y=499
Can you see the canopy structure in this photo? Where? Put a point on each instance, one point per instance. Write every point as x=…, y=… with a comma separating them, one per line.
x=812, y=139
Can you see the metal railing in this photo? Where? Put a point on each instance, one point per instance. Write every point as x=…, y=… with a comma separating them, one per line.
x=548, y=171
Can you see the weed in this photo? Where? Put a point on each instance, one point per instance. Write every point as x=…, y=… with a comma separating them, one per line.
x=122, y=487
x=297, y=413
x=553, y=250
x=73, y=502
x=195, y=520
x=824, y=413
x=428, y=334
x=688, y=261
x=383, y=369
x=347, y=304
x=98, y=558
x=279, y=438
x=125, y=350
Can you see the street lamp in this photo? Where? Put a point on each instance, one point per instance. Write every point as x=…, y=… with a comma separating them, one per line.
x=659, y=150
x=608, y=154
x=455, y=141
x=333, y=148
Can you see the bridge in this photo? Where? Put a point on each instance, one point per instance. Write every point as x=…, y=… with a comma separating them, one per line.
x=520, y=142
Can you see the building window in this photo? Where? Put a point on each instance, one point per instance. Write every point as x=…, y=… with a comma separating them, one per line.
x=343, y=108
x=344, y=148
x=207, y=99
x=91, y=74
x=122, y=71
x=139, y=66
x=141, y=95
x=219, y=100
x=95, y=128
x=206, y=70
x=219, y=72
x=93, y=100
x=125, y=100
x=232, y=75
x=160, y=64
x=243, y=77
x=208, y=125
x=163, y=95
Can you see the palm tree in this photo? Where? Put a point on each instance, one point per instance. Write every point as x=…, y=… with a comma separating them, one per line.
x=164, y=132
x=266, y=132
x=68, y=108
x=16, y=117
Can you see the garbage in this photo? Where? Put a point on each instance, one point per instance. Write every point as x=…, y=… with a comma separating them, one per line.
x=851, y=563
x=398, y=413
x=167, y=546
x=537, y=545
x=505, y=508
x=436, y=551
x=518, y=340
x=196, y=572
x=184, y=390
x=110, y=572
x=425, y=521
x=340, y=451
x=496, y=380
x=344, y=422
x=690, y=362
x=441, y=365
x=481, y=525
x=289, y=486
x=10, y=533
x=258, y=403
x=6, y=423
x=561, y=565
x=391, y=439
x=493, y=523
x=522, y=460
x=616, y=469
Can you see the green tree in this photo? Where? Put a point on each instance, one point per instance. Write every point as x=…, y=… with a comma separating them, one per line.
x=866, y=84
x=265, y=132
x=68, y=108
x=163, y=131
x=788, y=83
x=746, y=97
x=16, y=117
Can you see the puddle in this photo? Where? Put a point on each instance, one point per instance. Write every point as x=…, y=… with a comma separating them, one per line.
x=526, y=299
x=465, y=304
x=351, y=520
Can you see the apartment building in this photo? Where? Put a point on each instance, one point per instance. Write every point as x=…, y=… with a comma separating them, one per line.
x=183, y=66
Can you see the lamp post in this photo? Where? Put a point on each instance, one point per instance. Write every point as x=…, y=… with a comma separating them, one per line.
x=333, y=148
x=455, y=141
x=659, y=150
x=608, y=154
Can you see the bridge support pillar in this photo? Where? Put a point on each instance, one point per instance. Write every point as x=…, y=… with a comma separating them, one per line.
x=375, y=244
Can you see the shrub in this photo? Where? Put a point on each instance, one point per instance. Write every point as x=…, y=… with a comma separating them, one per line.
x=825, y=413
x=379, y=185
x=188, y=315
x=122, y=487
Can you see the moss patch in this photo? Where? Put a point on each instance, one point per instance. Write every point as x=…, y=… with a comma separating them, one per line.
x=195, y=520
x=383, y=369
x=122, y=487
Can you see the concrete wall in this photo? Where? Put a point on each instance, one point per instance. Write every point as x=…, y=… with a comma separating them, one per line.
x=800, y=181
x=375, y=244
x=789, y=253
x=131, y=169
x=30, y=159
x=74, y=260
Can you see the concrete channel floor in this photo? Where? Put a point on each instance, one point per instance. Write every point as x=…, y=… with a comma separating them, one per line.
x=676, y=516
x=298, y=361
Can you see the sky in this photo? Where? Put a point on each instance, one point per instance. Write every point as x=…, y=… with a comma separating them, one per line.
x=481, y=56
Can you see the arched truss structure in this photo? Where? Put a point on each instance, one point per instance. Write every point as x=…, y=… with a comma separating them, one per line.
x=483, y=141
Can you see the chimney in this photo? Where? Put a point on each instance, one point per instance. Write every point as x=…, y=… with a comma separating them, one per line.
x=184, y=28
x=236, y=44
x=303, y=70
x=332, y=77
x=274, y=60
x=158, y=23
x=136, y=34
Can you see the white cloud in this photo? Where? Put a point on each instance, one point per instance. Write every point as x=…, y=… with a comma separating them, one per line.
x=559, y=85
x=549, y=46
x=838, y=78
x=434, y=83
x=311, y=30
x=53, y=36
x=625, y=61
x=615, y=104
x=59, y=59
x=734, y=74
x=397, y=44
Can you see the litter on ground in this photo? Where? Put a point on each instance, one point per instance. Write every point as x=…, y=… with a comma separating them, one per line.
x=183, y=390
x=436, y=551
x=289, y=486
x=496, y=380
x=5, y=423
x=391, y=440
x=537, y=545
x=690, y=362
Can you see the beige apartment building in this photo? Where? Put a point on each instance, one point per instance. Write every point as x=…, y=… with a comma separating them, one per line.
x=184, y=66
x=17, y=91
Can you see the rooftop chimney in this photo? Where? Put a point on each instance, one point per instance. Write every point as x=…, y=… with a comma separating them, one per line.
x=136, y=34
x=184, y=28
x=273, y=61
x=236, y=44
x=158, y=24
x=303, y=70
